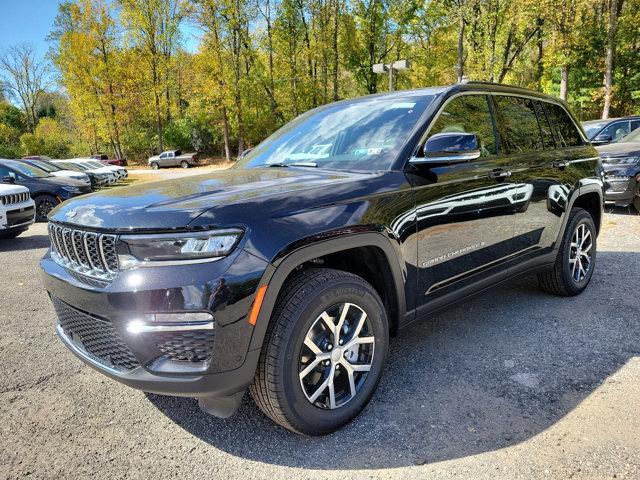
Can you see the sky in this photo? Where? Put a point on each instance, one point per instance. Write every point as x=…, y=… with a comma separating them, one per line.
x=30, y=21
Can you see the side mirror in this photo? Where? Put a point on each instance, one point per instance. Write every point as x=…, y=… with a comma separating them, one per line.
x=602, y=139
x=449, y=148
x=8, y=179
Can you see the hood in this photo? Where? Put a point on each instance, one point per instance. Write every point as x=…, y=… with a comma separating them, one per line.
x=233, y=195
x=619, y=150
x=10, y=189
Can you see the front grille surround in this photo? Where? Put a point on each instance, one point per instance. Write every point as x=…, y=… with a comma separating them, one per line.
x=14, y=198
x=85, y=252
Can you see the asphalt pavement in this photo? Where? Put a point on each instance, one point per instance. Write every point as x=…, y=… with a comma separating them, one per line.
x=511, y=384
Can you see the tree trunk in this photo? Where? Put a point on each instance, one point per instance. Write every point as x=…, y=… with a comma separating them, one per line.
x=564, y=81
x=460, y=64
x=336, y=19
x=225, y=134
x=614, y=10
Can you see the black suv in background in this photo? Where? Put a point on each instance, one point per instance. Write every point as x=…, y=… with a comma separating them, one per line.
x=46, y=190
x=602, y=132
x=288, y=273
x=621, y=164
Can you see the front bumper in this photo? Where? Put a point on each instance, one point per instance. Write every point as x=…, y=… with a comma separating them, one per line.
x=93, y=317
x=620, y=190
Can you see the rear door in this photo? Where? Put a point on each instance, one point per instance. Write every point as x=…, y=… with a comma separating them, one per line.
x=548, y=154
x=464, y=212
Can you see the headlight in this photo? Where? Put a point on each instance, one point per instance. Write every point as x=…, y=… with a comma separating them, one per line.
x=188, y=247
x=71, y=189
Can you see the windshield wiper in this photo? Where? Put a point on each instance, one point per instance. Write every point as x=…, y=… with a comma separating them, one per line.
x=293, y=164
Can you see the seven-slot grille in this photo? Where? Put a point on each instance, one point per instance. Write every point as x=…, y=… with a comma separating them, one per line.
x=96, y=337
x=88, y=253
x=14, y=198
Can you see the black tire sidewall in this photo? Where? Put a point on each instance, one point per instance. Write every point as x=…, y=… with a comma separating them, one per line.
x=39, y=198
x=154, y=166
x=581, y=218
x=306, y=417
x=184, y=164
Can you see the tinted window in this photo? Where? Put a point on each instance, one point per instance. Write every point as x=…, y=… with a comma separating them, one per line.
x=545, y=126
x=517, y=124
x=566, y=132
x=635, y=124
x=470, y=114
x=616, y=130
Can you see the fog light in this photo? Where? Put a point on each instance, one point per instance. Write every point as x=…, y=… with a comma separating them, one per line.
x=171, y=322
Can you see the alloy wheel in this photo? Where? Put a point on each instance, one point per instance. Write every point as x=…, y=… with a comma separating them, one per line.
x=580, y=253
x=336, y=356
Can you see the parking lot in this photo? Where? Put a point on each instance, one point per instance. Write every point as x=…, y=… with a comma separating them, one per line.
x=512, y=384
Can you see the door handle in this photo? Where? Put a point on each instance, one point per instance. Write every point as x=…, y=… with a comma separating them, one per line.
x=499, y=174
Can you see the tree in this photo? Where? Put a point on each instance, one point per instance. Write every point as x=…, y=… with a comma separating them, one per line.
x=615, y=7
x=24, y=77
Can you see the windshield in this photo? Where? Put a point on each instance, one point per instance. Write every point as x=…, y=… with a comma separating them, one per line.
x=47, y=167
x=29, y=170
x=361, y=135
x=631, y=137
x=95, y=164
x=71, y=166
x=591, y=128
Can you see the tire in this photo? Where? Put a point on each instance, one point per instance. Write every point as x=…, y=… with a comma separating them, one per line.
x=565, y=280
x=636, y=202
x=184, y=164
x=155, y=166
x=278, y=388
x=44, y=204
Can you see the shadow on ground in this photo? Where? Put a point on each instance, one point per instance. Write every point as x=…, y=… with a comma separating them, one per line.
x=26, y=242
x=484, y=375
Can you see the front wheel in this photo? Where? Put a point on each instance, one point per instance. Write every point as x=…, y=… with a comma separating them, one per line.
x=44, y=204
x=324, y=352
x=155, y=165
x=576, y=258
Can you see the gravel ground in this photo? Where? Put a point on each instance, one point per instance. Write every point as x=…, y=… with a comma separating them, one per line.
x=511, y=384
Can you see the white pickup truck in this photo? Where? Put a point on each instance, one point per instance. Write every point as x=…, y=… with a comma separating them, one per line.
x=17, y=210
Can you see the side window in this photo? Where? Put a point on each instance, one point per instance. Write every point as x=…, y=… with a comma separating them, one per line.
x=469, y=114
x=566, y=132
x=4, y=172
x=163, y=155
x=616, y=130
x=635, y=124
x=517, y=124
x=545, y=125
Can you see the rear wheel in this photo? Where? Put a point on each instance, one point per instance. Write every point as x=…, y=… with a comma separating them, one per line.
x=324, y=352
x=576, y=258
x=155, y=165
x=44, y=204
x=184, y=164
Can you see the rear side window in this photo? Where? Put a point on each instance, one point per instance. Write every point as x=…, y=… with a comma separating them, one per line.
x=517, y=124
x=635, y=124
x=545, y=126
x=470, y=114
x=566, y=132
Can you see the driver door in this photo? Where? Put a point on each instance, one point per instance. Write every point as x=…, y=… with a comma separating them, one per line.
x=464, y=211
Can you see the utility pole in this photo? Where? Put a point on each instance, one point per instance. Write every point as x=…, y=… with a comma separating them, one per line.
x=390, y=67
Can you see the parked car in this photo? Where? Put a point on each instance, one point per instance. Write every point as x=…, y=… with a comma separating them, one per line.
x=287, y=275
x=57, y=171
x=621, y=163
x=104, y=158
x=602, y=132
x=110, y=175
x=46, y=190
x=98, y=179
x=120, y=172
x=17, y=210
x=173, y=158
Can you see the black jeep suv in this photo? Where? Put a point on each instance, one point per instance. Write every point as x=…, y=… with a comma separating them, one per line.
x=288, y=273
